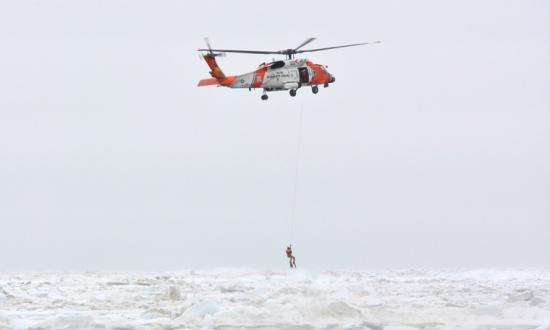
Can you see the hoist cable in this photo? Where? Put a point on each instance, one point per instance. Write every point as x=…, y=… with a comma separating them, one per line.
x=296, y=173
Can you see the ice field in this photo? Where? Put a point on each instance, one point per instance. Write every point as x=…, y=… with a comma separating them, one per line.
x=300, y=299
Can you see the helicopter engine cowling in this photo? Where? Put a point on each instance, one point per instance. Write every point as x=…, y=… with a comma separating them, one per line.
x=291, y=85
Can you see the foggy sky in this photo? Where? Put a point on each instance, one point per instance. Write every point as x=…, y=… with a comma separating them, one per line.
x=430, y=150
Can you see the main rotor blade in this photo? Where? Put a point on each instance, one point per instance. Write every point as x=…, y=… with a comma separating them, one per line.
x=343, y=46
x=241, y=51
x=304, y=43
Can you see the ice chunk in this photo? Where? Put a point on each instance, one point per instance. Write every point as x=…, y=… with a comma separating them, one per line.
x=4, y=321
x=341, y=309
x=66, y=321
x=203, y=308
x=523, y=296
x=173, y=293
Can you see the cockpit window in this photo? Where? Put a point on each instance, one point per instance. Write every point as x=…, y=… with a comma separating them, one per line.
x=276, y=64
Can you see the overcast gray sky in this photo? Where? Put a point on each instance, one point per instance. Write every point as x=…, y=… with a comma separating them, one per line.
x=430, y=150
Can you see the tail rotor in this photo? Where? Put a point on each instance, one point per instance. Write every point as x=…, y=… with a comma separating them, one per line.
x=210, y=52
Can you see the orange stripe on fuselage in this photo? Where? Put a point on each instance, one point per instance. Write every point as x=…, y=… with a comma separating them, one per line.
x=259, y=77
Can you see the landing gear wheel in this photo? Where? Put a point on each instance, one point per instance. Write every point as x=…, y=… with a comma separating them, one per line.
x=292, y=92
x=325, y=85
x=315, y=89
x=264, y=97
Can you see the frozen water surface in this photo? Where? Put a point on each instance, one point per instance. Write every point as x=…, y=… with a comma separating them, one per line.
x=249, y=299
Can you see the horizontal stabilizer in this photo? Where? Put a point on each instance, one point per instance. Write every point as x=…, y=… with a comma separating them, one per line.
x=208, y=82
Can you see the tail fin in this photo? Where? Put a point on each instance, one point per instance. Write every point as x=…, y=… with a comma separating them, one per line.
x=215, y=72
x=208, y=82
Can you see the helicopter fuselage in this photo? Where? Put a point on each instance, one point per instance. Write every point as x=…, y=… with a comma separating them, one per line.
x=275, y=76
x=282, y=75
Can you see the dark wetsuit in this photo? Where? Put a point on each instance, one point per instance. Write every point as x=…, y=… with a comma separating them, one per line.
x=291, y=257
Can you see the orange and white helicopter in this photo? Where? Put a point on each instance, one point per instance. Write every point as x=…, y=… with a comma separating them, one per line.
x=290, y=74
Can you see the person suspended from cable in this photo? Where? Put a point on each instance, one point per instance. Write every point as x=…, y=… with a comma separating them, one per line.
x=291, y=257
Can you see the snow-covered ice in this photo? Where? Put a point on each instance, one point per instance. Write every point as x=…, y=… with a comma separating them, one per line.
x=251, y=299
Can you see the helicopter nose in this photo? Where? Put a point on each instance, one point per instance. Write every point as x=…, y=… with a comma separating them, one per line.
x=332, y=79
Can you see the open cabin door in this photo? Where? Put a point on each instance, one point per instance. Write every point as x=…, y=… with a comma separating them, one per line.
x=304, y=75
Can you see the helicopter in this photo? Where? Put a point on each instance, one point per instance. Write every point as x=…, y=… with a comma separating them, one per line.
x=289, y=74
